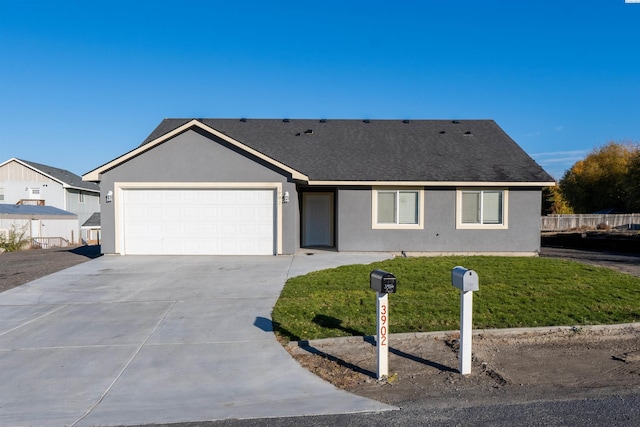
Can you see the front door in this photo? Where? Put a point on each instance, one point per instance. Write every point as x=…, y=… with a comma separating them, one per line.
x=35, y=228
x=317, y=226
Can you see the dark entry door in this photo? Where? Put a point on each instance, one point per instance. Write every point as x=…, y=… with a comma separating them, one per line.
x=317, y=227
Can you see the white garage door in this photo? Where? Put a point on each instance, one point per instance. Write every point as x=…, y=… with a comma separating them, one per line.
x=198, y=222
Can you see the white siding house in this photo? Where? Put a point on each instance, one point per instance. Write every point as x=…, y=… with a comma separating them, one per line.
x=27, y=183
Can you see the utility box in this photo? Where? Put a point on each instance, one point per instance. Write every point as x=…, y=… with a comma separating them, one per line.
x=383, y=282
x=464, y=279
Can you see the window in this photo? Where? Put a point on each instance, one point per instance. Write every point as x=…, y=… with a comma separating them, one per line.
x=481, y=208
x=1, y=194
x=397, y=208
x=34, y=193
x=80, y=197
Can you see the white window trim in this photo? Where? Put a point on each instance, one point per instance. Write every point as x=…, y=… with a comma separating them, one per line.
x=466, y=226
x=374, y=209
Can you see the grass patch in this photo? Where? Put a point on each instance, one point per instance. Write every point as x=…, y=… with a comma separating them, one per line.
x=514, y=292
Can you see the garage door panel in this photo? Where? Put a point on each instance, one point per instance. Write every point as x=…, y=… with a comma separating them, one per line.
x=203, y=221
x=171, y=212
x=192, y=212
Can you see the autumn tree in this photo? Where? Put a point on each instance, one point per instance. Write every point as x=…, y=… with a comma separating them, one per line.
x=601, y=180
x=633, y=183
x=553, y=202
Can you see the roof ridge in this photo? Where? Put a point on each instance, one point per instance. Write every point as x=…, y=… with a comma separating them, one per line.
x=63, y=175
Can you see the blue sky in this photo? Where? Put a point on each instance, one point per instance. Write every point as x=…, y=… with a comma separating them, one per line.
x=82, y=82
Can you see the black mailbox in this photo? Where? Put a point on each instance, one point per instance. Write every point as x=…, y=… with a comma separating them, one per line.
x=383, y=282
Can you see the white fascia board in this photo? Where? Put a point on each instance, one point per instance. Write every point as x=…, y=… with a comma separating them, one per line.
x=433, y=183
x=94, y=175
x=9, y=161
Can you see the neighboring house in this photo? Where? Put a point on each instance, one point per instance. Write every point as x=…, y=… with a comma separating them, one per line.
x=91, y=229
x=42, y=226
x=243, y=186
x=28, y=183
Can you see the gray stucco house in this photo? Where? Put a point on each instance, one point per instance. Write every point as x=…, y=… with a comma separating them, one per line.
x=272, y=186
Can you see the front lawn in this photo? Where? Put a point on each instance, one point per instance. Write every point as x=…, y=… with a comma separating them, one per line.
x=514, y=292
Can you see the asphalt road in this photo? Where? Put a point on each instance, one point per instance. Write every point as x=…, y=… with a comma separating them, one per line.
x=623, y=262
x=614, y=411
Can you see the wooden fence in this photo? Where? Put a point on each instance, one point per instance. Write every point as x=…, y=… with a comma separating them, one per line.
x=573, y=222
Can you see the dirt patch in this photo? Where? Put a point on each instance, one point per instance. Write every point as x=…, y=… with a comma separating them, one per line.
x=507, y=365
x=18, y=268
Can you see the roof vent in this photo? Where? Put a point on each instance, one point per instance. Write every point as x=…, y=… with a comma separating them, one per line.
x=406, y=121
x=455, y=122
x=442, y=132
x=243, y=120
x=308, y=131
x=323, y=120
x=297, y=133
x=285, y=120
x=468, y=133
x=366, y=121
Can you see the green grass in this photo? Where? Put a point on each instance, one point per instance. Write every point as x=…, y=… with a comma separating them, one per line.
x=514, y=292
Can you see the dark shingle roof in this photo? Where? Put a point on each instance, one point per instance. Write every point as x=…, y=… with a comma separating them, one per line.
x=382, y=150
x=63, y=175
x=93, y=220
x=7, y=209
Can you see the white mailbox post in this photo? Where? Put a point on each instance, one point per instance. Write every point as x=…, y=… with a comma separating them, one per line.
x=383, y=283
x=467, y=282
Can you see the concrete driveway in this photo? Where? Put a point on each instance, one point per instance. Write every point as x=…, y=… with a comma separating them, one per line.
x=139, y=340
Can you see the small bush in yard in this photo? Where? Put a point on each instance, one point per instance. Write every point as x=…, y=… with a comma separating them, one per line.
x=14, y=240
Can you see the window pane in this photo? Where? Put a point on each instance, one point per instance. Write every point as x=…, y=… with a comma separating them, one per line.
x=408, y=207
x=492, y=207
x=386, y=207
x=471, y=207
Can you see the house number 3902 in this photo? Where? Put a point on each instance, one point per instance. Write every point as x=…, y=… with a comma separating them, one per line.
x=383, y=324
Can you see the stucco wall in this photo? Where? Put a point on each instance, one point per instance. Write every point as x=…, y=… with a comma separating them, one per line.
x=192, y=157
x=355, y=232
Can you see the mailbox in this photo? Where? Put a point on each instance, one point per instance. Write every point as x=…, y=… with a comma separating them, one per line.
x=383, y=282
x=463, y=279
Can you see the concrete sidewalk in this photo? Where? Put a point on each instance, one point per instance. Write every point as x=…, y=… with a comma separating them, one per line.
x=140, y=340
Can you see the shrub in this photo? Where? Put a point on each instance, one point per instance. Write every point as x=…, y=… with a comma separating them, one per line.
x=14, y=240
